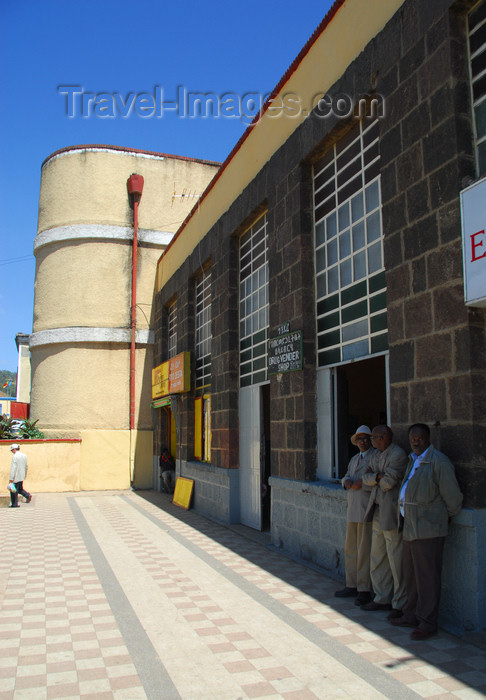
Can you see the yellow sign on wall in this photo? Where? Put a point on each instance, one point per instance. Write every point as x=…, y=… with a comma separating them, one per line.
x=160, y=380
x=172, y=377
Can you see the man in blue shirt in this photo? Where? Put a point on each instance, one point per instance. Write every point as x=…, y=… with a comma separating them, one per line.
x=429, y=498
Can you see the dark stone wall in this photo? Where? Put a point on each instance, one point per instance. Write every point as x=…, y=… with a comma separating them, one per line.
x=418, y=64
x=224, y=351
x=427, y=157
x=286, y=196
x=293, y=422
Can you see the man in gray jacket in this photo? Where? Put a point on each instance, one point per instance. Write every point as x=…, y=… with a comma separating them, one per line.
x=385, y=476
x=358, y=531
x=429, y=498
x=18, y=472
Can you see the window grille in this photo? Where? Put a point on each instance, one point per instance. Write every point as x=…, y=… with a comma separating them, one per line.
x=477, y=65
x=350, y=277
x=172, y=330
x=203, y=330
x=254, y=304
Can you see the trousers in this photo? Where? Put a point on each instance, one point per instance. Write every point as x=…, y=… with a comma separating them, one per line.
x=14, y=497
x=357, y=547
x=422, y=566
x=168, y=480
x=386, y=565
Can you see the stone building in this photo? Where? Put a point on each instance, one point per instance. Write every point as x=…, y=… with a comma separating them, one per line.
x=319, y=285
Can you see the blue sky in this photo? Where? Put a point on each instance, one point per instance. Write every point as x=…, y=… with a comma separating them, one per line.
x=116, y=46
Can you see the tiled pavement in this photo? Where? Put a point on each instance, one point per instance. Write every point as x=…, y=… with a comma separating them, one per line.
x=123, y=595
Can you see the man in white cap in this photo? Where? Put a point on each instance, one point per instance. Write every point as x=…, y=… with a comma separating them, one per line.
x=358, y=531
x=18, y=472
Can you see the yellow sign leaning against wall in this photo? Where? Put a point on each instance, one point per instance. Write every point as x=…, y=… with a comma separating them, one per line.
x=183, y=492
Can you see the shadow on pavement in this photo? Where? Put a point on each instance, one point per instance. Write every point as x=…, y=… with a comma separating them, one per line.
x=445, y=651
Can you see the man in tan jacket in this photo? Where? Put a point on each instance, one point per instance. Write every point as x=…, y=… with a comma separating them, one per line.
x=386, y=474
x=429, y=498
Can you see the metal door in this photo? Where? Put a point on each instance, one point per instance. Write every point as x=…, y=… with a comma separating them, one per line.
x=250, y=418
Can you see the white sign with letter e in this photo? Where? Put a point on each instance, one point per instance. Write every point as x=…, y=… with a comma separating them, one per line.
x=473, y=214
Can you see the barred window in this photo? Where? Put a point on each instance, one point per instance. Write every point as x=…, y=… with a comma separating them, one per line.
x=172, y=330
x=253, y=304
x=477, y=64
x=350, y=277
x=203, y=330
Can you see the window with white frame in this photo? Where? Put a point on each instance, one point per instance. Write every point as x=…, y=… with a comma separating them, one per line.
x=477, y=64
x=172, y=329
x=350, y=277
x=203, y=329
x=254, y=304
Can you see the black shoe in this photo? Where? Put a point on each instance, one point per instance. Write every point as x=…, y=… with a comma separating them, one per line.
x=346, y=593
x=402, y=622
x=29, y=498
x=395, y=614
x=420, y=635
x=371, y=607
x=362, y=598
x=14, y=506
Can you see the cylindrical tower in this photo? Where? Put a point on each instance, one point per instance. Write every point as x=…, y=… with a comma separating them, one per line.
x=80, y=345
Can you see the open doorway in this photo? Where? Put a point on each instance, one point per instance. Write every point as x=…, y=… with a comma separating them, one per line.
x=265, y=456
x=165, y=438
x=360, y=398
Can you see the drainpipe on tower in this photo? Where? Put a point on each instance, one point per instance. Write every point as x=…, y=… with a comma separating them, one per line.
x=135, y=189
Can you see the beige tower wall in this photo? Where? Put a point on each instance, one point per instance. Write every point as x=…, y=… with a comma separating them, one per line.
x=98, y=277
x=86, y=386
x=88, y=184
x=80, y=345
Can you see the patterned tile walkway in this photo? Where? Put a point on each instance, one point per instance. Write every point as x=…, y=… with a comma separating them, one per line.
x=124, y=596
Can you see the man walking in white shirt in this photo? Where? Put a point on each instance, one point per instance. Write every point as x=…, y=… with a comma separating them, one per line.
x=18, y=472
